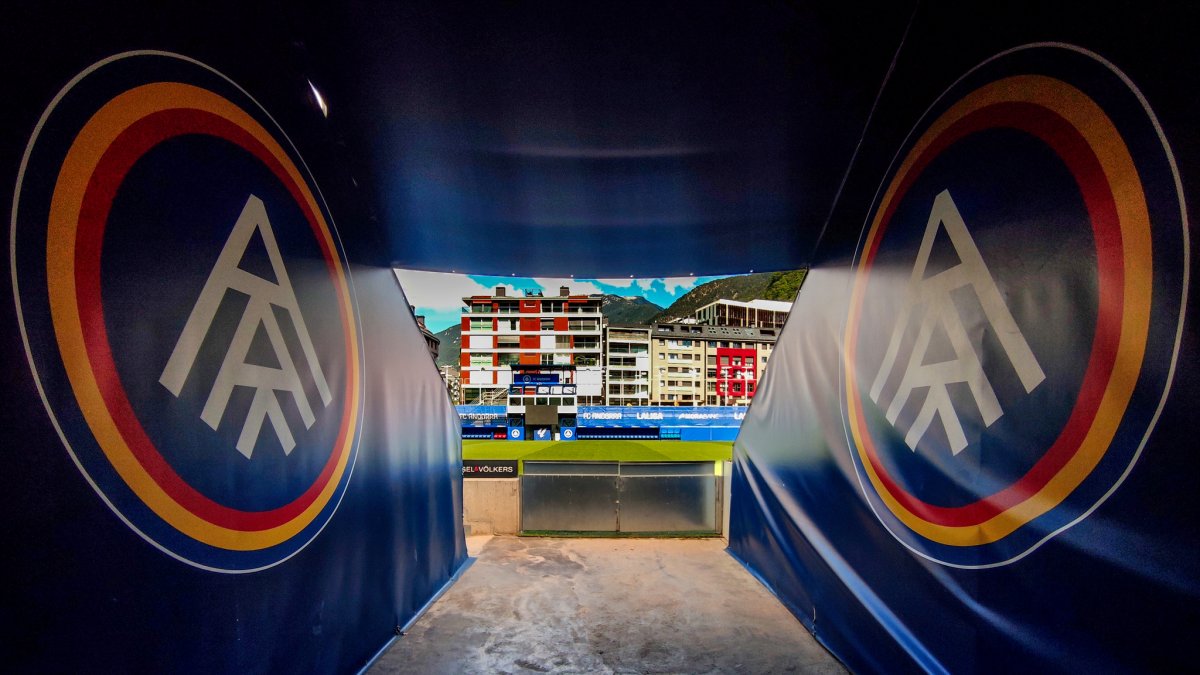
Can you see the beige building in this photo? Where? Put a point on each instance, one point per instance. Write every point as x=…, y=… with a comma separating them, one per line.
x=708, y=365
x=677, y=365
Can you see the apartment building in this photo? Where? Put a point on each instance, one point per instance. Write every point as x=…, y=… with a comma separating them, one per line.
x=627, y=365
x=451, y=377
x=500, y=331
x=677, y=365
x=753, y=314
x=432, y=342
x=693, y=364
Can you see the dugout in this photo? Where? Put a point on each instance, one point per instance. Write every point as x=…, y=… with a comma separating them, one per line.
x=542, y=403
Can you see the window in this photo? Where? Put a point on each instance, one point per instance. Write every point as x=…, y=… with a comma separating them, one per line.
x=583, y=324
x=507, y=307
x=508, y=342
x=481, y=360
x=552, y=306
x=724, y=360
x=509, y=359
x=547, y=359
x=481, y=308
x=481, y=324
x=547, y=324
x=737, y=360
x=562, y=342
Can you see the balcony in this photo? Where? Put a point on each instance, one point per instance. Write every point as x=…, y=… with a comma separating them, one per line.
x=624, y=350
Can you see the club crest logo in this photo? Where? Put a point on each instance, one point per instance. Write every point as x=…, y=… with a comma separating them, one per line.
x=1016, y=307
x=188, y=311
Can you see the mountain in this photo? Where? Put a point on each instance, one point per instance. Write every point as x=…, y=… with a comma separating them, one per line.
x=619, y=310
x=785, y=285
x=631, y=310
x=450, y=346
x=766, y=286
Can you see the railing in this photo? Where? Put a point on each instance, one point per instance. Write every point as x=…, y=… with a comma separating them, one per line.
x=493, y=396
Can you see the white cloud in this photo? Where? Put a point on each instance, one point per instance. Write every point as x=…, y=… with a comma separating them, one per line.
x=578, y=287
x=627, y=284
x=441, y=291
x=679, y=285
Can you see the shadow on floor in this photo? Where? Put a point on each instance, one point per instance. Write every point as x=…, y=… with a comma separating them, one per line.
x=541, y=605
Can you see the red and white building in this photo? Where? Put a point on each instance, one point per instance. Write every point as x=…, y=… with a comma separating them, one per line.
x=737, y=373
x=500, y=331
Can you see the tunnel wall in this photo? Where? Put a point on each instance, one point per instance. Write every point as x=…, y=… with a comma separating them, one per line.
x=973, y=449
x=228, y=448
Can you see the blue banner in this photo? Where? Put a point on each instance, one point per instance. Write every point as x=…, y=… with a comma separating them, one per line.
x=482, y=415
x=975, y=452
x=536, y=378
x=626, y=417
x=209, y=454
x=640, y=417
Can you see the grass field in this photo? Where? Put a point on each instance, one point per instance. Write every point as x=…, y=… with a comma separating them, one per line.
x=600, y=450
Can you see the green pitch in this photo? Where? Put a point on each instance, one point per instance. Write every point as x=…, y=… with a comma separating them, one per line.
x=600, y=450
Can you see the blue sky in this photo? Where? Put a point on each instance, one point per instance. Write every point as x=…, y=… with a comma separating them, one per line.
x=439, y=295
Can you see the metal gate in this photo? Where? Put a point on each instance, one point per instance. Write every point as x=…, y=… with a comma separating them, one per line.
x=609, y=497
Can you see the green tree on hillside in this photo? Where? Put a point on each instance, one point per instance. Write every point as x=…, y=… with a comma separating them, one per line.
x=784, y=285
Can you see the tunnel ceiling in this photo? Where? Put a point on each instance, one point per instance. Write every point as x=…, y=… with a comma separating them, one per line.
x=604, y=139
x=597, y=139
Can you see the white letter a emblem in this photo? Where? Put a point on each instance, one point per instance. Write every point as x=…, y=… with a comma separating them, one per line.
x=227, y=275
x=932, y=295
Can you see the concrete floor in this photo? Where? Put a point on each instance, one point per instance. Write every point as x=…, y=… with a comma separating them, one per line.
x=606, y=606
